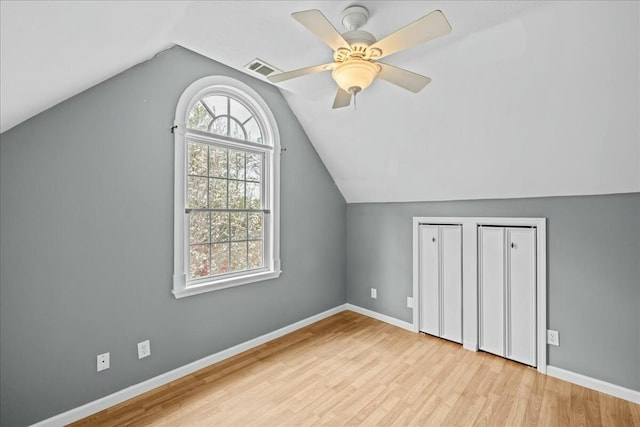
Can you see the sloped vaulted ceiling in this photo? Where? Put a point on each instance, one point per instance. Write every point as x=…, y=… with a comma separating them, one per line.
x=527, y=98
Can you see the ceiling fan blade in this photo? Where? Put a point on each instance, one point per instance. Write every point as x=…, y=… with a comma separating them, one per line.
x=405, y=79
x=422, y=30
x=343, y=99
x=319, y=25
x=280, y=77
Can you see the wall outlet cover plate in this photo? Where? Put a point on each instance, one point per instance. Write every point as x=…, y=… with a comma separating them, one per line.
x=103, y=362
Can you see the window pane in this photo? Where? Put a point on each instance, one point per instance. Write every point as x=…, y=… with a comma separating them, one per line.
x=255, y=255
x=220, y=258
x=199, y=118
x=199, y=261
x=217, y=162
x=217, y=104
x=197, y=159
x=197, y=192
x=198, y=227
x=236, y=130
x=255, y=226
x=253, y=195
x=218, y=197
x=236, y=164
x=254, y=166
x=219, y=126
x=239, y=226
x=236, y=194
x=238, y=256
x=239, y=111
x=253, y=131
x=220, y=227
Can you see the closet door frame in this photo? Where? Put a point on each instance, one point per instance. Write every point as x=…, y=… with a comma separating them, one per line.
x=470, y=330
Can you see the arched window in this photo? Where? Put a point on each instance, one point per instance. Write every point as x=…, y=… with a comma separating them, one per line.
x=226, y=188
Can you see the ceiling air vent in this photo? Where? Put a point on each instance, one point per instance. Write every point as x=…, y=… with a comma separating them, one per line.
x=260, y=67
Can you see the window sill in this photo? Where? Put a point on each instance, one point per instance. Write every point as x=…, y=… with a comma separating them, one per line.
x=180, y=290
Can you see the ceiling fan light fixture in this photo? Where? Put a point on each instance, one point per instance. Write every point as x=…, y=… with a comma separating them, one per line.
x=355, y=75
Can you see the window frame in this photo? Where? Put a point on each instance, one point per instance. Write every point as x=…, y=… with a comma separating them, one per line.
x=270, y=147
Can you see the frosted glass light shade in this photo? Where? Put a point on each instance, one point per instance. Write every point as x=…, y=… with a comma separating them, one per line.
x=355, y=74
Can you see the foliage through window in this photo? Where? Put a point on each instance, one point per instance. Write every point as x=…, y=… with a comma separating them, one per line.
x=223, y=115
x=226, y=211
x=228, y=177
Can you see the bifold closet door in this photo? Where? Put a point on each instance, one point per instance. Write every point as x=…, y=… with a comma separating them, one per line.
x=521, y=295
x=507, y=292
x=440, y=272
x=491, y=278
x=451, y=282
x=429, y=280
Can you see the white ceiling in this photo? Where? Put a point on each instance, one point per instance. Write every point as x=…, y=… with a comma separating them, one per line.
x=510, y=109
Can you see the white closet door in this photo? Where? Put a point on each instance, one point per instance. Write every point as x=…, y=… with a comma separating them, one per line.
x=491, y=289
x=451, y=282
x=429, y=272
x=521, y=295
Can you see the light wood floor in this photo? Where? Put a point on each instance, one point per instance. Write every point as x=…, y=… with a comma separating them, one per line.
x=353, y=370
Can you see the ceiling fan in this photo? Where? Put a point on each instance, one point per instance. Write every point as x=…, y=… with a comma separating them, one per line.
x=356, y=52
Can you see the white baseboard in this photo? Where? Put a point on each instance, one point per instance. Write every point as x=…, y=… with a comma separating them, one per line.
x=382, y=317
x=152, y=383
x=594, y=384
x=162, y=379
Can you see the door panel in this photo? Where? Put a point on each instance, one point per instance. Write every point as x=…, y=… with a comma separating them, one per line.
x=429, y=294
x=451, y=282
x=491, y=289
x=521, y=295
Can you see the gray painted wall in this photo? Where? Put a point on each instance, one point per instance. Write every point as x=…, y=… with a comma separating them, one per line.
x=87, y=243
x=593, y=269
x=86, y=251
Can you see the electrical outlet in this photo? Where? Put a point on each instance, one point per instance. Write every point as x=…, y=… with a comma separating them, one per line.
x=553, y=337
x=409, y=302
x=374, y=293
x=103, y=362
x=144, y=349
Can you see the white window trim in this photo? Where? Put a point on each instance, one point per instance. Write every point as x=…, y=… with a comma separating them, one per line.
x=268, y=125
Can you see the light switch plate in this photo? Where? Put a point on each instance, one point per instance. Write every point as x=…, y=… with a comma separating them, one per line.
x=374, y=293
x=144, y=349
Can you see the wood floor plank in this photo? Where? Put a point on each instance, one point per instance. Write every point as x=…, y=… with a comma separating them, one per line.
x=635, y=413
x=585, y=409
x=351, y=370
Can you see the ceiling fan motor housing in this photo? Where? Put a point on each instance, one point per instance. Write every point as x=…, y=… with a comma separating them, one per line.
x=359, y=37
x=359, y=42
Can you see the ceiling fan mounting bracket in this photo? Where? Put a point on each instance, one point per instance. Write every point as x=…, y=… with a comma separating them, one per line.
x=354, y=17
